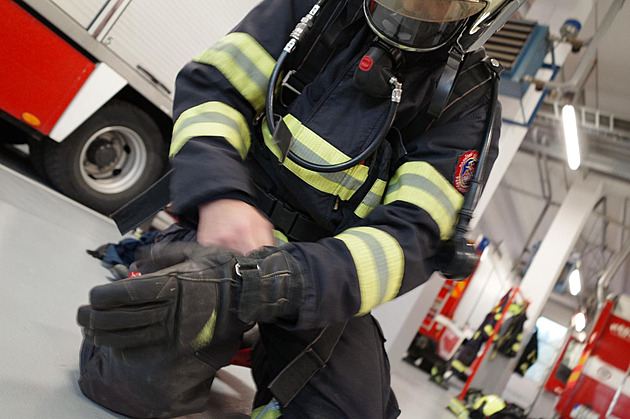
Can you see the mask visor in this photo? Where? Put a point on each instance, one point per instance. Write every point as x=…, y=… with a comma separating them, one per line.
x=420, y=24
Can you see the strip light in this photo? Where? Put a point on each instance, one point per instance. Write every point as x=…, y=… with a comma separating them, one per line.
x=579, y=321
x=569, y=122
x=575, y=283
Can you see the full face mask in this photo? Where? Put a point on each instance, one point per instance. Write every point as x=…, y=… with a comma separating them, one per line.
x=426, y=25
x=420, y=25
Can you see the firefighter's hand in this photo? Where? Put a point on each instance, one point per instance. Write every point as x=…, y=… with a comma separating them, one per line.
x=233, y=225
x=211, y=297
x=181, y=308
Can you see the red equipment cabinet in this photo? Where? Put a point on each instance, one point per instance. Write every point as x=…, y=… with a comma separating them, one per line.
x=41, y=73
x=603, y=367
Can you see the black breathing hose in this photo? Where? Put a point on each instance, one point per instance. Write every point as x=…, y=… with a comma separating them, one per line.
x=271, y=121
x=300, y=30
x=472, y=196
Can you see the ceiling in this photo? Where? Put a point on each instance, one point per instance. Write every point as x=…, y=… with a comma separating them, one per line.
x=538, y=179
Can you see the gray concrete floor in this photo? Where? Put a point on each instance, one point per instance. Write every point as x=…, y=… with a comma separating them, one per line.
x=46, y=275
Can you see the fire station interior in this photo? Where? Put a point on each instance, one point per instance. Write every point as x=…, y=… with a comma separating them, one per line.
x=540, y=329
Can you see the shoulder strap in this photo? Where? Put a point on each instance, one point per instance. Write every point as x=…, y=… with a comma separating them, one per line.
x=471, y=84
x=296, y=375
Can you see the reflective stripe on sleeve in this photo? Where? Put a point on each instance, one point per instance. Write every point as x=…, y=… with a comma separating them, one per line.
x=211, y=119
x=420, y=184
x=245, y=63
x=372, y=199
x=309, y=146
x=379, y=262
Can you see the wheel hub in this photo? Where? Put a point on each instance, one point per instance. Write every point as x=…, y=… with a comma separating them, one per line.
x=113, y=159
x=102, y=155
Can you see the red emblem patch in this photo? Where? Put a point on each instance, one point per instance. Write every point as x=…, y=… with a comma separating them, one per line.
x=465, y=170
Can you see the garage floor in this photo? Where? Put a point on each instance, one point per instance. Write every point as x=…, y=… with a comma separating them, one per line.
x=46, y=275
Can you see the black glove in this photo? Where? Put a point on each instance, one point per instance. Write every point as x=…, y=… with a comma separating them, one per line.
x=208, y=296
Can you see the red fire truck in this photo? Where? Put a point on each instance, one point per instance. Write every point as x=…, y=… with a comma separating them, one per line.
x=598, y=386
x=91, y=85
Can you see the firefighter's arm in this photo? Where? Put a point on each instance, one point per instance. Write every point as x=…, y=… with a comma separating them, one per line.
x=392, y=250
x=217, y=95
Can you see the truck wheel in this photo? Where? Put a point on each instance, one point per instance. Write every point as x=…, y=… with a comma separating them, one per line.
x=110, y=159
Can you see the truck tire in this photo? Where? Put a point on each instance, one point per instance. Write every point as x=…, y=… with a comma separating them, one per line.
x=115, y=155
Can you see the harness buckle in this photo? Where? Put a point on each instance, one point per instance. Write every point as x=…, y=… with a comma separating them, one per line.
x=286, y=82
x=282, y=217
x=291, y=88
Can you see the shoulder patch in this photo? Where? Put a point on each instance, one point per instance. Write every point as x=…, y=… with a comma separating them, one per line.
x=465, y=170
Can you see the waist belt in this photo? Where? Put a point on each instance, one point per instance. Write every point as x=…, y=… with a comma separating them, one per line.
x=296, y=226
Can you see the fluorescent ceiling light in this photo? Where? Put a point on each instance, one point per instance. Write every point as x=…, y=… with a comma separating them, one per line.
x=571, y=136
x=579, y=321
x=575, y=284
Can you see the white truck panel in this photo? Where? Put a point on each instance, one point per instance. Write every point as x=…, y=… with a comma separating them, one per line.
x=83, y=11
x=100, y=87
x=160, y=36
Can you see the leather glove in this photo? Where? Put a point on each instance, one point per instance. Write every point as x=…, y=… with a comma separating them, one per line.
x=208, y=296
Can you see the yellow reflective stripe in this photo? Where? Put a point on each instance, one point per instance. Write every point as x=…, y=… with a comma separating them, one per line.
x=372, y=199
x=309, y=145
x=458, y=408
x=459, y=366
x=270, y=410
x=207, y=332
x=211, y=119
x=488, y=329
x=245, y=63
x=379, y=262
x=420, y=184
x=281, y=239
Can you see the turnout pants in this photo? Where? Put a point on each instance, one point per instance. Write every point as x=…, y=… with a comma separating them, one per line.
x=355, y=383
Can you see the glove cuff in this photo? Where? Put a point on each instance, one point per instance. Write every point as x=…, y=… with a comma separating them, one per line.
x=271, y=286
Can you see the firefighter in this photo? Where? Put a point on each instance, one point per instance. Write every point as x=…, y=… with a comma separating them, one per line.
x=315, y=201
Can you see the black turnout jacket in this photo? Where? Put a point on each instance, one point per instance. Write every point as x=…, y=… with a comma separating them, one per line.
x=386, y=216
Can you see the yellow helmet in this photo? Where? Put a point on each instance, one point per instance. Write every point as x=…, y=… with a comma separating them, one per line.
x=426, y=25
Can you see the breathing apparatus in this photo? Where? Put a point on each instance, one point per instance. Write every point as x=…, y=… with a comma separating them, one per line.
x=414, y=26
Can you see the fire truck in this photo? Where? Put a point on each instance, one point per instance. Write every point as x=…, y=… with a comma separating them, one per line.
x=89, y=86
